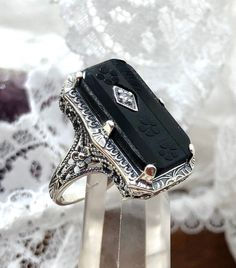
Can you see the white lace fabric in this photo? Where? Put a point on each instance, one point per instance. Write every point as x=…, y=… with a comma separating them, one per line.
x=185, y=52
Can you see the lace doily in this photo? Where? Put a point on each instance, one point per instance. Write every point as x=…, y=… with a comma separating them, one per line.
x=179, y=46
x=182, y=49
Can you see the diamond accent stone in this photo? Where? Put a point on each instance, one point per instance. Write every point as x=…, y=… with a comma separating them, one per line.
x=125, y=98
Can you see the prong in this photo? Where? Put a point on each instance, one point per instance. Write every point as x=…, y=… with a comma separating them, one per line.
x=148, y=174
x=79, y=75
x=192, y=159
x=161, y=101
x=192, y=149
x=150, y=171
x=108, y=126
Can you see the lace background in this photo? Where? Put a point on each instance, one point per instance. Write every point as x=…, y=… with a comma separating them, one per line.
x=184, y=49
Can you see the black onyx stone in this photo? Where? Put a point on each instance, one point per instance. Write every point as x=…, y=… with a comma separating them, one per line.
x=115, y=79
x=113, y=73
x=100, y=76
x=108, y=81
x=104, y=69
x=147, y=136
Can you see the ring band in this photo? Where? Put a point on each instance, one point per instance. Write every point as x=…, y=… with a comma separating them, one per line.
x=121, y=130
x=81, y=160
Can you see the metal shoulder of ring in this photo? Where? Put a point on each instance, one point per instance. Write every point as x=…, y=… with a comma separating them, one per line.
x=93, y=152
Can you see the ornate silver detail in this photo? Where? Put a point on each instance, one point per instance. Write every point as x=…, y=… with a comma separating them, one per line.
x=125, y=98
x=100, y=137
x=173, y=176
x=69, y=82
x=94, y=151
x=82, y=159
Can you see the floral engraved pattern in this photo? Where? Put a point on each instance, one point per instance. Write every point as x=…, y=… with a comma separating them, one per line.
x=174, y=176
x=168, y=151
x=108, y=76
x=148, y=127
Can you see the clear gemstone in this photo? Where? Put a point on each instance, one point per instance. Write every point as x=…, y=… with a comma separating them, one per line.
x=125, y=98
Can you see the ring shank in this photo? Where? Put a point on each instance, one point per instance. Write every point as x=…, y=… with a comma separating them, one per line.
x=75, y=190
x=72, y=192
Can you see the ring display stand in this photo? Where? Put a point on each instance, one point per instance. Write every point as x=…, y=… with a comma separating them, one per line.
x=123, y=233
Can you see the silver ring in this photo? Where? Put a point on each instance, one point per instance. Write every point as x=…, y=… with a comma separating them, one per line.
x=94, y=150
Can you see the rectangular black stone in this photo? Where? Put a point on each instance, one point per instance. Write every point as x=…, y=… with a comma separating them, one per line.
x=147, y=136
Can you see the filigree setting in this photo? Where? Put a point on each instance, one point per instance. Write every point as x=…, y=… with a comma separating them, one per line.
x=93, y=152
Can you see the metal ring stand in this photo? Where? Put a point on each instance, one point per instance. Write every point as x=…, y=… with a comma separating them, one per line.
x=123, y=233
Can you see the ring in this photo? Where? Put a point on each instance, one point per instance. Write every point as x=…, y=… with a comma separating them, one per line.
x=122, y=130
